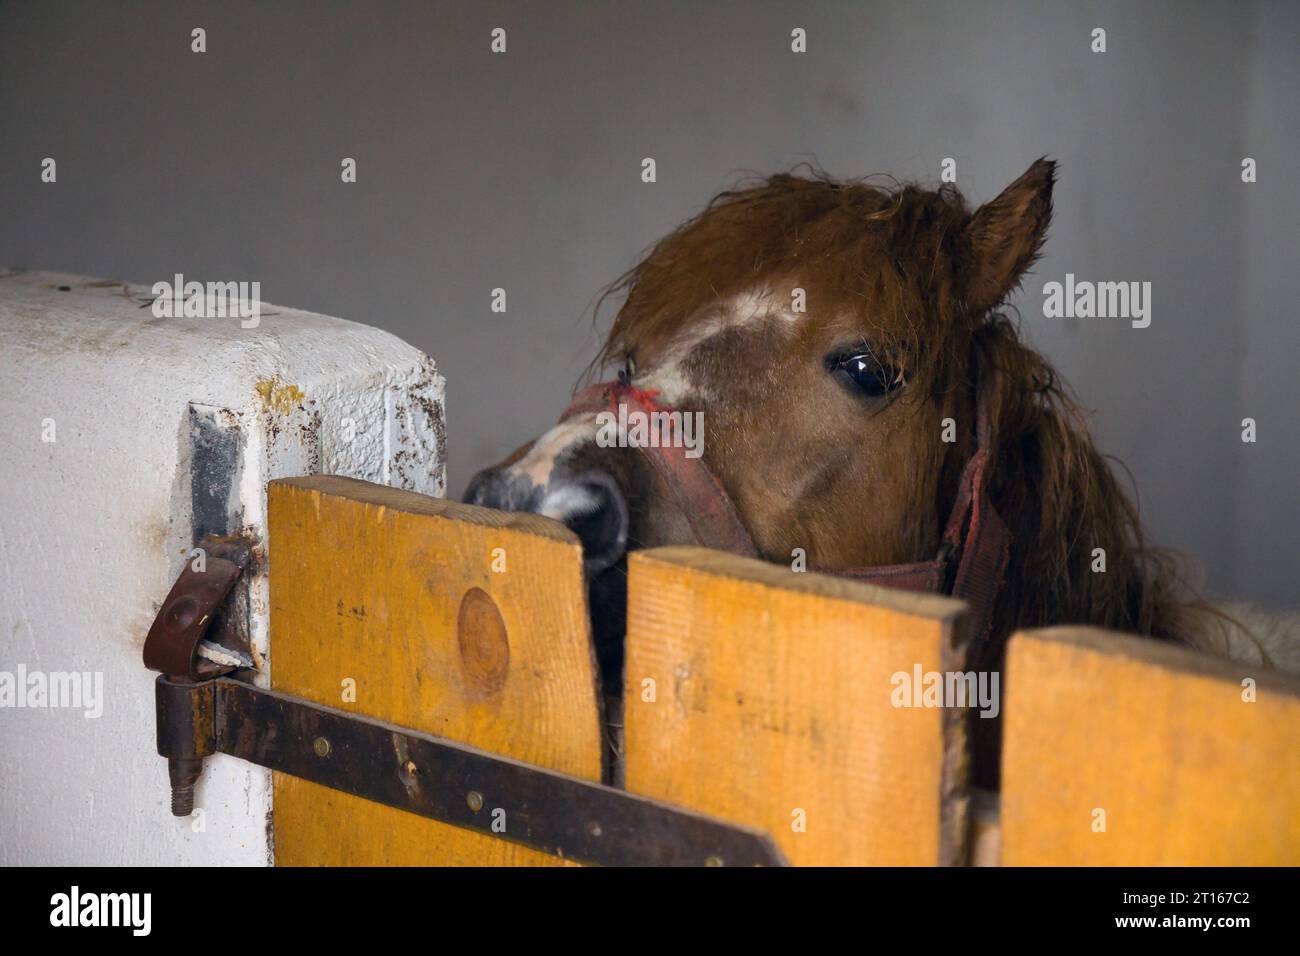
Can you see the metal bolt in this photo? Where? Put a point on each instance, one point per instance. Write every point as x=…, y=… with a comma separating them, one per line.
x=595, y=829
x=321, y=746
x=713, y=861
x=475, y=800
x=409, y=774
x=184, y=774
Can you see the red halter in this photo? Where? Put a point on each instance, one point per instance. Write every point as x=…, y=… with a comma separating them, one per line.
x=972, y=556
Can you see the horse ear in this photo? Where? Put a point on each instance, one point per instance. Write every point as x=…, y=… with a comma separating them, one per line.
x=1005, y=235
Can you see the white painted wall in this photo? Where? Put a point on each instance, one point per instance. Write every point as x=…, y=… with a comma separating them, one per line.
x=95, y=526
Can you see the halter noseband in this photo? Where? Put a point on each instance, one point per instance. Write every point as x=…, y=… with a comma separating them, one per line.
x=972, y=555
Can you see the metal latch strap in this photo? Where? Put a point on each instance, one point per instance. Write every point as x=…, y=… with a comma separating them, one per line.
x=446, y=781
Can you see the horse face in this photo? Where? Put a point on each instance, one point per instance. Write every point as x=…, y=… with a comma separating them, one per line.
x=832, y=390
x=810, y=427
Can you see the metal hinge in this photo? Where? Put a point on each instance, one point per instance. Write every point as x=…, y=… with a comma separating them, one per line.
x=201, y=711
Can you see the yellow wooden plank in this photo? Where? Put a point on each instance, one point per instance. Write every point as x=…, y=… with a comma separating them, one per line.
x=766, y=697
x=1158, y=744
x=395, y=594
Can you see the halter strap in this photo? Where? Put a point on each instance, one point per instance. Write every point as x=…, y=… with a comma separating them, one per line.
x=976, y=543
x=699, y=494
x=975, y=548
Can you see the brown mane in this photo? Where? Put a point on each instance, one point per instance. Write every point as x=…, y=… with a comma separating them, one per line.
x=907, y=251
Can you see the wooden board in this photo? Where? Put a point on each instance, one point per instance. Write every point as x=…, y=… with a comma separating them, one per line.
x=1156, y=737
x=396, y=592
x=772, y=707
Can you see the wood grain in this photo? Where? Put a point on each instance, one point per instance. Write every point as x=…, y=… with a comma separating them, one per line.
x=1157, y=737
x=396, y=591
x=772, y=695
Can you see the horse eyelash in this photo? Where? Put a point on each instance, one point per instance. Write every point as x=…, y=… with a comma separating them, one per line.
x=886, y=361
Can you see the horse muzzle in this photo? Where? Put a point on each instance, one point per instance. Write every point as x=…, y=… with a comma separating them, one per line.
x=588, y=503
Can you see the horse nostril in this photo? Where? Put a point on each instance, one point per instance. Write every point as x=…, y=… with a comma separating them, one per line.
x=592, y=507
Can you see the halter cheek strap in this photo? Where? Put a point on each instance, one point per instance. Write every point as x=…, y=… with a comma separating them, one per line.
x=976, y=543
x=975, y=548
x=697, y=491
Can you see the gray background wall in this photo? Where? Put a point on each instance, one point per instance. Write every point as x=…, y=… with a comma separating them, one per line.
x=522, y=171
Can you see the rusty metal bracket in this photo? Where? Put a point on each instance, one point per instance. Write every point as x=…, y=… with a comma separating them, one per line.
x=173, y=641
x=201, y=712
x=446, y=781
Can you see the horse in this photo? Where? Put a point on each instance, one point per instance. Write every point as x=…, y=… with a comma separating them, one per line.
x=870, y=409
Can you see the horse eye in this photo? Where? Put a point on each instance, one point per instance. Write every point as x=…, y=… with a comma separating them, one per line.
x=865, y=372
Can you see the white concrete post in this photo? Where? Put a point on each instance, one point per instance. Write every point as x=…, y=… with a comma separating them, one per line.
x=123, y=438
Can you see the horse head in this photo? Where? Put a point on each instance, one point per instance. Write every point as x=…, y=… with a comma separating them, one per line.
x=831, y=351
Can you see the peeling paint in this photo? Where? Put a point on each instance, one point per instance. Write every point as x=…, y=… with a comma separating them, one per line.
x=278, y=396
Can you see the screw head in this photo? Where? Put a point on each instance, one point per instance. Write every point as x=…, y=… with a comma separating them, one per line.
x=321, y=746
x=409, y=774
x=475, y=800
